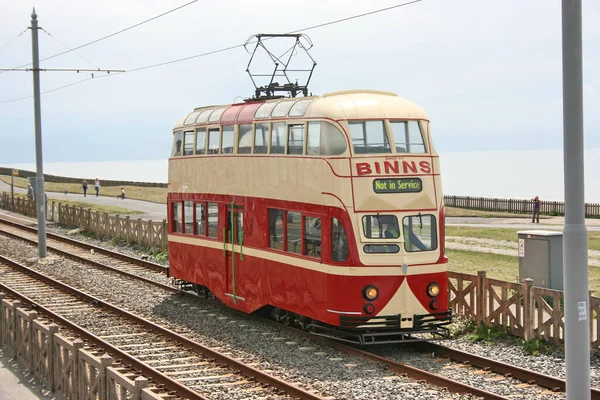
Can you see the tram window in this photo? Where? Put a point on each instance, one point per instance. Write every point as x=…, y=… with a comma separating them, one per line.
x=339, y=241
x=312, y=237
x=203, y=117
x=296, y=139
x=176, y=150
x=313, y=139
x=282, y=108
x=264, y=111
x=381, y=248
x=214, y=138
x=191, y=118
x=245, y=139
x=380, y=226
x=261, y=138
x=333, y=141
x=213, y=220
x=369, y=137
x=299, y=108
x=278, y=138
x=200, y=219
x=176, y=217
x=188, y=217
x=420, y=233
x=408, y=137
x=201, y=141
x=228, y=139
x=275, y=229
x=216, y=115
x=294, y=232
x=188, y=143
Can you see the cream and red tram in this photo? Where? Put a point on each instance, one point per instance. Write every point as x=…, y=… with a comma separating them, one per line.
x=327, y=210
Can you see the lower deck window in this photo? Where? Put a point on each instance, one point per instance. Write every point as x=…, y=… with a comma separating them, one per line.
x=420, y=233
x=312, y=237
x=294, y=232
x=381, y=248
x=275, y=229
x=176, y=217
x=213, y=220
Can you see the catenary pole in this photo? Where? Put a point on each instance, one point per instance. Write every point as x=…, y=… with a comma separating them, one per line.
x=39, y=181
x=575, y=245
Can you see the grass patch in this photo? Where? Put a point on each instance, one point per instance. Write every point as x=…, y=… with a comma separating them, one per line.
x=509, y=234
x=540, y=346
x=154, y=194
x=99, y=207
x=488, y=333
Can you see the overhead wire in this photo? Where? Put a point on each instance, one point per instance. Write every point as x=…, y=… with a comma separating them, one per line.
x=13, y=39
x=70, y=49
x=226, y=48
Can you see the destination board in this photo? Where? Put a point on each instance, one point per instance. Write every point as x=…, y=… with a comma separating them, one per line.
x=397, y=185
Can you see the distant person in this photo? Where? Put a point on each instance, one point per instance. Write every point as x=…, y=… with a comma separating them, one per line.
x=65, y=189
x=536, y=210
x=29, y=192
x=84, y=185
x=122, y=194
x=97, y=186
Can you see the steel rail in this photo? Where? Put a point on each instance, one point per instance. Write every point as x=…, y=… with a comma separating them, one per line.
x=247, y=370
x=501, y=368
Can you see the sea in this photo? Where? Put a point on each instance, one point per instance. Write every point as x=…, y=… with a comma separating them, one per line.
x=496, y=174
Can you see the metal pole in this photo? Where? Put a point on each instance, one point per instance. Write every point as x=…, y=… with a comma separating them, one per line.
x=575, y=245
x=39, y=181
x=12, y=190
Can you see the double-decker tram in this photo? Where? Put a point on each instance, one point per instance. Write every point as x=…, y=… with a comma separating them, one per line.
x=327, y=211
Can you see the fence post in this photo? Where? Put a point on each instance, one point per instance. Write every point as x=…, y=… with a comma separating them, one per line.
x=52, y=331
x=105, y=362
x=480, y=314
x=165, y=240
x=127, y=229
x=139, y=233
x=32, y=315
x=528, y=309
x=140, y=383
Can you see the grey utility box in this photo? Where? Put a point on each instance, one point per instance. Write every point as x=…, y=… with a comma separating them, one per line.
x=541, y=258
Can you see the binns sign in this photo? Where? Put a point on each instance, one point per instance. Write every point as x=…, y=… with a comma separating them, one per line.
x=393, y=167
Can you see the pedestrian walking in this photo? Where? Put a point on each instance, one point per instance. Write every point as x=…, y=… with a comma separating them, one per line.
x=536, y=210
x=66, y=189
x=29, y=191
x=122, y=194
x=84, y=185
x=97, y=186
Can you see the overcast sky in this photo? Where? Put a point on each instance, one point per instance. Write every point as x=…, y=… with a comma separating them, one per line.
x=488, y=73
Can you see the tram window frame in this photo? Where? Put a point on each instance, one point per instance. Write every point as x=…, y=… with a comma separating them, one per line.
x=188, y=148
x=203, y=116
x=243, y=131
x=216, y=147
x=282, y=108
x=200, y=225
x=230, y=131
x=362, y=142
x=274, y=215
x=292, y=244
x=201, y=150
x=190, y=119
x=299, y=108
x=408, y=137
x=339, y=241
x=188, y=217
x=215, y=116
x=176, y=217
x=212, y=231
x=278, y=131
x=312, y=224
x=262, y=148
x=382, y=226
x=177, y=149
x=295, y=149
x=313, y=133
x=264, y=111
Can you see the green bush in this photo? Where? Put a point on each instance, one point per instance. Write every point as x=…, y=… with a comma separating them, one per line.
x=488, y=333
x=539, y=346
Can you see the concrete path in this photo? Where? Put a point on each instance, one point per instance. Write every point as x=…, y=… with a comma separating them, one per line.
x=17, y=384
x=153, y=211
x=546, y=223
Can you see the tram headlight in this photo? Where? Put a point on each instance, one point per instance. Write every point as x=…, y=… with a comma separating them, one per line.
x=370, y=292
x=433, y=289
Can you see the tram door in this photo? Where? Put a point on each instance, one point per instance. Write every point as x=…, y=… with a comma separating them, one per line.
x=234, y=250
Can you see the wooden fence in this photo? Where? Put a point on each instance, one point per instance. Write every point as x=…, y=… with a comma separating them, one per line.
x=65, y=367
x=525, y=310
x=517, y=206
x=144, y=232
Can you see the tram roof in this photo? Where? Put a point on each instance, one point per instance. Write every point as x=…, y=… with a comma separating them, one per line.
x=350, y=104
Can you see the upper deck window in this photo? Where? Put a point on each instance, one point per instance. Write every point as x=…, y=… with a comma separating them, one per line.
x=264, y=111
x=191, y=118
x=369, y=137
x=278, y=138
x=214, y=141
x=296, y=139
x=188, y=143
x=408, y=137
x=245, y=139
x=216, y=115
x=176, y=150
x=261, y=139
x=324, y=139
x=203, y=117
x=299, y=108
x=227, y=145
x=282, y=108
x=201, y=141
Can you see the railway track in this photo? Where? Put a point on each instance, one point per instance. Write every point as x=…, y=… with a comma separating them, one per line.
x=135, y=267
x=190, y=369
